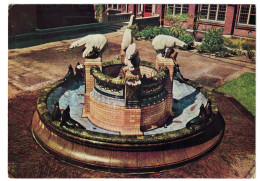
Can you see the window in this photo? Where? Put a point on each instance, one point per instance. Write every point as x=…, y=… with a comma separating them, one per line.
x=213, y=12
x=139, y=7
x=175, y=9
x=114, y=6
x=247, y=14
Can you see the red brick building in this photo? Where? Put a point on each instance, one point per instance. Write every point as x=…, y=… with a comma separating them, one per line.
x=238, y=20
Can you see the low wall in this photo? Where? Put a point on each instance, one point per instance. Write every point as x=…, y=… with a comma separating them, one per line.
x=116, y=18
x=124, y=120
x=115, y=118
x=154, y=115
x=148, y=21
x=106, y=116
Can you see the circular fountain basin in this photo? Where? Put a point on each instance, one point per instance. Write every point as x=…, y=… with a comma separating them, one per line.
x=98, y=148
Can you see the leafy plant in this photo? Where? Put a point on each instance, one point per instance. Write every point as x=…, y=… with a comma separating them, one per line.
x=250, y=50
x=98, y=12
x=148, y=33
x=177, y=30
x=213, y=41
x=182, y=17
x=187, y=38
x=233, y=43
x=239, y=46
x=135, y=30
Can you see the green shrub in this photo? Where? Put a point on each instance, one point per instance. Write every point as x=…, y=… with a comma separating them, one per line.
x=250, y=50
x=177, y=31
x=148, y=33
x=187, y=38
x=233, y=43
x=182, y=17
x=213, y=41
x=239, y=46
x=134, y=29
x=170, y=18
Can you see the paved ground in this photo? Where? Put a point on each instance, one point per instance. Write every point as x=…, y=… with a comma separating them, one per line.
x=30, y=69
x=34, y=67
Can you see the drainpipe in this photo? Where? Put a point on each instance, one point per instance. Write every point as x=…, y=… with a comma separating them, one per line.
x=135, y=9
x=162, y=15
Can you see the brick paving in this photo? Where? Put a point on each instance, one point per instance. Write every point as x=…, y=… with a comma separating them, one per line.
x=32, y=68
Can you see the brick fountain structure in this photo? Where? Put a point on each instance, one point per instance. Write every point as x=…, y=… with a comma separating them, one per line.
x=131, y=109
x=135, y=104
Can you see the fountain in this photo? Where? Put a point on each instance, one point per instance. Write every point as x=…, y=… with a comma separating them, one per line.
x=126, y=115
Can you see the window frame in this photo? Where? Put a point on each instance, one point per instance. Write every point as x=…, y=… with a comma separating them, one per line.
x=248, y=16
x=174, y=9
x=112, y=8
x=216, y=16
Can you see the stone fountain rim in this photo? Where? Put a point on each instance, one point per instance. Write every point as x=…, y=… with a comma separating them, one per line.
x=110, y=141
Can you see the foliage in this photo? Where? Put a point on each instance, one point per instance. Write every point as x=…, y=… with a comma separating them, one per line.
x=187, y=38
x=98, y=12
x=177, y=31
x=177, y=18
x=233, y=43
x=243, y=89
x=250, y=50
x=212, y=42
x=239, y=46
x=135, y=30
x=182, y=17
x=148, y=33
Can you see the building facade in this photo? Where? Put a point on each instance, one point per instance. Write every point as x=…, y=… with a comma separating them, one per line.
x=24, y=19
x=237, y=20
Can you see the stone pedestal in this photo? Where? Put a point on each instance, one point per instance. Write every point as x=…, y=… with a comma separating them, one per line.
x=90, y=82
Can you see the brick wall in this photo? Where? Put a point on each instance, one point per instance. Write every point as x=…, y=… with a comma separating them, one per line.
x=124, y=120
x=147, y=71
x=106, y=116
x=127, y=121
x=245, y=32
x=168, y=82
x=154, y=115
x=90, y=83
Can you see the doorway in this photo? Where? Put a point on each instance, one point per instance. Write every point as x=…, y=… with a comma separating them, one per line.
x=148, y=10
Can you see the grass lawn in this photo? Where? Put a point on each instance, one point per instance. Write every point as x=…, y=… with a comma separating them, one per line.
x=242, y=89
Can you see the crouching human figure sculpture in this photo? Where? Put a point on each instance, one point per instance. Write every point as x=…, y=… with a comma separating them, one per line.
x=164, y=44
x=94, y=44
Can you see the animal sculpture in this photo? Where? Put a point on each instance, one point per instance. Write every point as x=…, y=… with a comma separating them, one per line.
x=208, y=110
x=69, y=75
x=164, y=44
x=68, y=122
x=56, y=114
x=127, y=39
x=177, y=74
x=94, y=45
x=79, y=69
x=201, y=118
